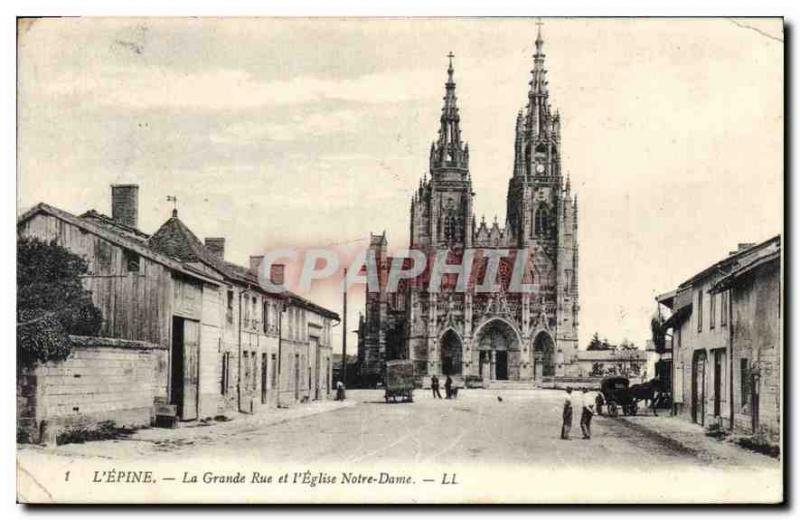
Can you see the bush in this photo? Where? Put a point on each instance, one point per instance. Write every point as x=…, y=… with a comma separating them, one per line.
x=759, y=444
x=103, y=431
x=51, y=302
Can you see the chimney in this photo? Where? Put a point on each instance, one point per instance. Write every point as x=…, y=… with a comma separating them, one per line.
x=276, y=273
x=741, y=246
x=125, y=204
x=216, y=245
x=255, y=263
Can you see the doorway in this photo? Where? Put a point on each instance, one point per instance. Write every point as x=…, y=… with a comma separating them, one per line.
x=263, y=378
x=451, y=354
x=317, y=367
x=699, y=387
x=543, y=365
x=501, y=366
x=754, y=381
x=297, y=377
x=717, y=382
x=184, y=367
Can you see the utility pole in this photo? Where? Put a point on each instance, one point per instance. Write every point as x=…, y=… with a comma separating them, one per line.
x=344, y=330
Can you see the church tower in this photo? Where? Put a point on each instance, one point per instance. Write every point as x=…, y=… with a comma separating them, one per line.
x=534, y=191
x=441, y=208
x=542, y=214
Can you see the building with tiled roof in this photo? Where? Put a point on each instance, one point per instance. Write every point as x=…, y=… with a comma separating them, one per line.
x=233, y=346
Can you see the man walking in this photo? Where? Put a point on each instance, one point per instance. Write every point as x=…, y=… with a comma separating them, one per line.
x=435, y=387
x=448, y=385
x=566, y=415
x=586, y=415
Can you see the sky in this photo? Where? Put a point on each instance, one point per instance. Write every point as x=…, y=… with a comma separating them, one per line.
x=311, y=132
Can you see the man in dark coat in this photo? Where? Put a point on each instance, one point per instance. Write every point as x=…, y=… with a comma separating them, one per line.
x=566, y=415
x=448, y=385
x=586, y=415
x=435, y=387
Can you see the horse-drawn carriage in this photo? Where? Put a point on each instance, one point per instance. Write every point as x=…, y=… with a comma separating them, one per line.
x=617, y=395
x=399, y=381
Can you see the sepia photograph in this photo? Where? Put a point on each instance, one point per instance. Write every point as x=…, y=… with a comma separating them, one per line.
x=400, y=260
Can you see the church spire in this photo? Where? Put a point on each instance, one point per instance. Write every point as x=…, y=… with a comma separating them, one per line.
x=538, y=81
x=538, y=105
x=449, y=151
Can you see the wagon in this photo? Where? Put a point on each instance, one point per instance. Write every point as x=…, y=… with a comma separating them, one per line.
x=616, y=394
x=399, y=381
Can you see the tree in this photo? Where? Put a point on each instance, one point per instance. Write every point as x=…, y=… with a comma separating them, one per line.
x=597, y=344
x=657, y=330
x=627, y=345
x=51, y=302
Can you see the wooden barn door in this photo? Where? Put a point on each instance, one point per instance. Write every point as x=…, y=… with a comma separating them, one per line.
x=191, y=350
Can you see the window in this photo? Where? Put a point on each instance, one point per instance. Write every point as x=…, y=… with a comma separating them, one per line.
x=744, y=377
x=712, y=311
x=541, y=222
x=265, y=315
x=700, y=311
x=226, y=361
x=246, y=304
x=254, y=370
x=723, y=317
x=274, y=372
x=229, y=310
x=255, y=312
x=131, y=261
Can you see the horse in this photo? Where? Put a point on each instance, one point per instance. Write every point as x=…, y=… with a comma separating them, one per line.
x=646, y=392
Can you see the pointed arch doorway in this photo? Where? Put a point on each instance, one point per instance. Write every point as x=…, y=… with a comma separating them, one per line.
x=543, y=349
x=451, y=353
x=496, y=340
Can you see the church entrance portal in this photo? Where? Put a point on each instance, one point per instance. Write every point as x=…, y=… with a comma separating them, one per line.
x=543, y=356
x=495, y=340
x=451, y=354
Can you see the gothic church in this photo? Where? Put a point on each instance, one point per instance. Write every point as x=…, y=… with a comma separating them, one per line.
x=502, y=335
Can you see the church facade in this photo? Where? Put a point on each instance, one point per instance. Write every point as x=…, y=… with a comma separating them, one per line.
x=467, y=332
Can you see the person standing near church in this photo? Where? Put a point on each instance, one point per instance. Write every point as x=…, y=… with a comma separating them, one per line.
x=566, y=415
x=435, y=387
x=586, y=415
x=448, y=387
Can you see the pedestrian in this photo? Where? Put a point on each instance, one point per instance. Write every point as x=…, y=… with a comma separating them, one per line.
x=566, y=415
x=435, y=387
x=586, y=416
x=598, y=403
x=339, y=391
x=448, y=385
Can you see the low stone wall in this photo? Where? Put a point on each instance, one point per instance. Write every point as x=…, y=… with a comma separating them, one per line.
x=103, y=379
x=589, y=383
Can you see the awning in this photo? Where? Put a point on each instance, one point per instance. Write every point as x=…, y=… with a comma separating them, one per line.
x=678, y=317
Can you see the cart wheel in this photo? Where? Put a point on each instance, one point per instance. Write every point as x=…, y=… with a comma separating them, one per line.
x=612, y=410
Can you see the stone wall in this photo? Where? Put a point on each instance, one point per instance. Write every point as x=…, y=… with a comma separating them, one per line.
x=103, y=379
x=758, y=345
